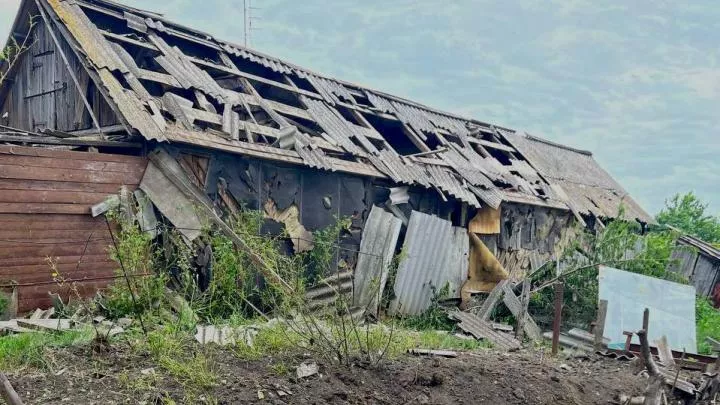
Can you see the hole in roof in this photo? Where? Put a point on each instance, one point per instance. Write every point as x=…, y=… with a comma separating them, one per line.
x=394, y=134
x=500, y=156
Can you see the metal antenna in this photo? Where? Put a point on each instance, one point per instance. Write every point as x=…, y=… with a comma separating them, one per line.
x=248, y=21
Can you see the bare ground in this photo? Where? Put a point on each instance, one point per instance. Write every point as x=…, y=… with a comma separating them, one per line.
x=122, y=377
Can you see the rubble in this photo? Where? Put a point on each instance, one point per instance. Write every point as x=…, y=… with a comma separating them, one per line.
x=307, y=369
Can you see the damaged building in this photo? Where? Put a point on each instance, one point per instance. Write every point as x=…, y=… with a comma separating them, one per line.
x=109, y=96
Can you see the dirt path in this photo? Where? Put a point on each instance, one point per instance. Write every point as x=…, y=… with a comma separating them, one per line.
x=472, y=378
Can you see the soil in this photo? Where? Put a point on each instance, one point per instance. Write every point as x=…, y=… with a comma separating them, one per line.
x=526, y=377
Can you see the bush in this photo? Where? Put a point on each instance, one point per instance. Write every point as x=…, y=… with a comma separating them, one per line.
x=620, y=245
x=707, y=319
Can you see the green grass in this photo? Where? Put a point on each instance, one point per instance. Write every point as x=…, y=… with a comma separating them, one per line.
x=176, y=353
x=707, y=319
x=33, y=349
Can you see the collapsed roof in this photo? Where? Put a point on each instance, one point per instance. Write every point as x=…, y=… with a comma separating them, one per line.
x=170, y=83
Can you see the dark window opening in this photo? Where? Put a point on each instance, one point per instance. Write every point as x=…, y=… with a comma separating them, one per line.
x=394, y=134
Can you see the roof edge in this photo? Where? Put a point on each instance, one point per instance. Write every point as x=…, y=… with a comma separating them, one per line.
x=558, y=145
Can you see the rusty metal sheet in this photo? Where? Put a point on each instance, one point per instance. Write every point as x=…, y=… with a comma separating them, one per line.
x=379, y=238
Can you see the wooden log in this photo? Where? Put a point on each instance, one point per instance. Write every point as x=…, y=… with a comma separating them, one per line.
x=8, y=392
x=559, y=294
x=600, y=324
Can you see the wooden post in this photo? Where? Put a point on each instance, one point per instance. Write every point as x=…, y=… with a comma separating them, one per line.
x=8, y=393
x=600, y=324
x=559, y=294
x=646, y=320
x=524, y=301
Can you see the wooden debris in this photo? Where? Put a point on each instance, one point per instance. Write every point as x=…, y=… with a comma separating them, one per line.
x=654, y=393
x=45, y=325
x=305, y=370
x=475, y=326
x=8, y=392
x=12, y=326
x=429, y=352
x=664, y=352
x=513, y=304
x=110, y=203
x=180, y=305
x=491, y=301
x=600, y=324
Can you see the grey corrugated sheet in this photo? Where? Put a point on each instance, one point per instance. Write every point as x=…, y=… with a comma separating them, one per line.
x=379, y=238
x=424, y=268
x=380, y=103
x=332, y=125
x=480, y=329
x=588, y=185
x=446, y=181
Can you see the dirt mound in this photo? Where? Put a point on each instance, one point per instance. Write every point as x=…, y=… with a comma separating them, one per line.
x=488, y=377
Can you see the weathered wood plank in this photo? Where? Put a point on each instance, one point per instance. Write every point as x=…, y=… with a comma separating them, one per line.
x=53, y=197
x=89, y=257
x=56, y=174
x=39, y=208
x=44, y=251
x=63, y=154
x=40, y=185
x=62, y=163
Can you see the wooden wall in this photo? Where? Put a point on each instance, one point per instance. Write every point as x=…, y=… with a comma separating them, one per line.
x=45, y=200
x=43, y=94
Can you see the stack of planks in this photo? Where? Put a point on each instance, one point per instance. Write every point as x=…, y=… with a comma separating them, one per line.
x=45, y=200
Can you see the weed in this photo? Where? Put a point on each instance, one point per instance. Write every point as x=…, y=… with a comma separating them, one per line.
x=707, y=319
x=175, y=352
x=435, y=317
x=280, y=369
x=32, y=349
x=145, y=287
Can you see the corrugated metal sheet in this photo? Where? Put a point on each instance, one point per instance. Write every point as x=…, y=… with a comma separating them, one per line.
x=425, y=269
x=590, y=188
x=379, y=238
x=485, y=330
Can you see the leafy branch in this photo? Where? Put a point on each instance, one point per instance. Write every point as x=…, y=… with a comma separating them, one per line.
x=12, y=52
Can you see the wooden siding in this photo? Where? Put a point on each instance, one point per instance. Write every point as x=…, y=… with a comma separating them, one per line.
x=44, y=95
x=45, y=200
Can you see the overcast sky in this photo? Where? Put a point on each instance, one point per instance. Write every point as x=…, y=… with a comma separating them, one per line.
x=637, y=83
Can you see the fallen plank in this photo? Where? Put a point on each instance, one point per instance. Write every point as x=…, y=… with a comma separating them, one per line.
x=45, y=324
x=515, y=306
x=429, y=352
x=12, y=326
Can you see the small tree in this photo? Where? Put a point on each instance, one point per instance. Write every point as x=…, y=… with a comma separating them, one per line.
x=14, y=49
x=689, y=214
